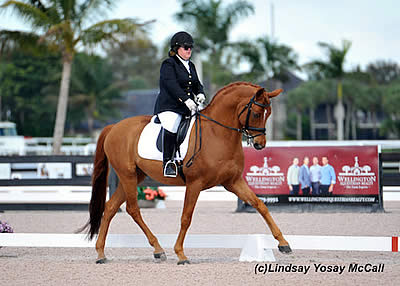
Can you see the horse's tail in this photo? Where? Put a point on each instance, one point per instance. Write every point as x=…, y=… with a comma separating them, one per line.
x=99, y=186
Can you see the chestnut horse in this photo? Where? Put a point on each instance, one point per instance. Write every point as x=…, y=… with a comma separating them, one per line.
x=238, y=108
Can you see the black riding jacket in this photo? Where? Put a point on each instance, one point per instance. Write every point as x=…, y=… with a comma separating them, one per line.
x=176, y=86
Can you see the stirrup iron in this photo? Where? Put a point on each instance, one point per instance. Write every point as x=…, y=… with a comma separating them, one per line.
x=170, y=169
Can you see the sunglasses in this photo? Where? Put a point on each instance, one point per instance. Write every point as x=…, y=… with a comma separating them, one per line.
x=187, y=46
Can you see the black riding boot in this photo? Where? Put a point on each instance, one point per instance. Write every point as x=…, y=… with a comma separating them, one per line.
x=169, y=166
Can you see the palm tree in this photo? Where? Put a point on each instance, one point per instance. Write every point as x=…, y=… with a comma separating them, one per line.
x=383, y=72
x=307, y=97
x=267, y=57
x=301, y=99
x=66, y=25
x=355, y=96
x=391, y=105
x=278, y=58
x=93, y=89
x=332, y=68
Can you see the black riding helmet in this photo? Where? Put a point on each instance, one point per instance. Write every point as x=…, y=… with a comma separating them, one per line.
x=180, y=39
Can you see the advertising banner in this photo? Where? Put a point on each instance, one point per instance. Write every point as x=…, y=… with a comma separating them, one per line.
x=337, y=174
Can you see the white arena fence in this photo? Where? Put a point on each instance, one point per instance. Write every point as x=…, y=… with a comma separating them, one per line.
x=255, y=247
x=87, y=145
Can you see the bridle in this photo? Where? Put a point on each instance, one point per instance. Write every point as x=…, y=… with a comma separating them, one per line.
x=244, y=130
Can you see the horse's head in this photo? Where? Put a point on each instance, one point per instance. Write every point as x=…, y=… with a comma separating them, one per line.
x=253, y=116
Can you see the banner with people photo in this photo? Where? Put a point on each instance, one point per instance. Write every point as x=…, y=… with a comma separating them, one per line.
x=335, y=174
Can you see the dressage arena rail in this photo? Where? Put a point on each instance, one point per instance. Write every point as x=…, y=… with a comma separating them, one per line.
x=252, y=245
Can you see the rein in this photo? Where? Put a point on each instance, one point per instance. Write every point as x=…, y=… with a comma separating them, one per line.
x=244, y=130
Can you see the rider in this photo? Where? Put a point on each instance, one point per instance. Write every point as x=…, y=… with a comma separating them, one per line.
x=180, y=89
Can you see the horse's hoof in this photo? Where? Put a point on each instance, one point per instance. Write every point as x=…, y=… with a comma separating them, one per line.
x=101, y=260
x=183, y=262
x=285, y=249
x=160, y=256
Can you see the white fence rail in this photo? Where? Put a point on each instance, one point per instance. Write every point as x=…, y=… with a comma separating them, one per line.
x=87, y=146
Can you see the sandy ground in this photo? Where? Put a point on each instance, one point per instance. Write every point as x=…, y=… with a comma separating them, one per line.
x=68, y=266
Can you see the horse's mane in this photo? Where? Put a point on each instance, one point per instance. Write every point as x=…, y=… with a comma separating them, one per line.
x=226, y=89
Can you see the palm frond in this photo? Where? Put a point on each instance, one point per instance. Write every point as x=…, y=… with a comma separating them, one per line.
x=12, y=40
x=236, y=11
x=93, y=10
x=110, y=30
x=36, y=16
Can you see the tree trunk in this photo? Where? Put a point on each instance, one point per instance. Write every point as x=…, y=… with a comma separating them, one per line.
x=353, y=126
x=22, y=118
x=329, y=120
x=90, y=124
x=312, y=123
x=348, y=120
x=340, y=114
x=374, y=122
x=62, y=107
x=299, y=130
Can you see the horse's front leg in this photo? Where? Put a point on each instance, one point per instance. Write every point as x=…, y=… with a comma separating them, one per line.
x=242, y=190
x=191, y=196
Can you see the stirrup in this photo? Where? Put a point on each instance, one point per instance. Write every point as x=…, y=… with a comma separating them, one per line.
x=172, y=173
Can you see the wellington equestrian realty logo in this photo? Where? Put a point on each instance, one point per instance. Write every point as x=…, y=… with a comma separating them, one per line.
x=265, y=177
x=357, y=177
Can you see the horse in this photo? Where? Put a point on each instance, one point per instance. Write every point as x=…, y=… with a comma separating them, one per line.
x=237, y=109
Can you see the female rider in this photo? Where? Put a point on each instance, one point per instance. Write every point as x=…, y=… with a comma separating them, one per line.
x=180, y=89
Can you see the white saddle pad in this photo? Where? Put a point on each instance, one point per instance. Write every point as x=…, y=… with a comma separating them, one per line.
x=147, y=146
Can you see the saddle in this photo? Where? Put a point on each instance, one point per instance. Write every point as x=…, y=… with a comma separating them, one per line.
x=180, y=136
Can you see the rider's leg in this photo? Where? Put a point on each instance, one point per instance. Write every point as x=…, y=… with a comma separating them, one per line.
x=170, y=122
x=168, y=146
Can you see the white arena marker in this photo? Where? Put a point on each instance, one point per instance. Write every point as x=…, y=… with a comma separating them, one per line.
x=256, y=249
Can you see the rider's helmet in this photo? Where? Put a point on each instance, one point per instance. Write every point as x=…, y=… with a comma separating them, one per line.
x=180, y=39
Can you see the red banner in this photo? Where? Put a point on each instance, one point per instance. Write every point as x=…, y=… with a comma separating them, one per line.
x=355, y=169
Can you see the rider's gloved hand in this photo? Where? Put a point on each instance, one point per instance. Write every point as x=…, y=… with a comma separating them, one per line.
x=191, y=105
x=200, y=98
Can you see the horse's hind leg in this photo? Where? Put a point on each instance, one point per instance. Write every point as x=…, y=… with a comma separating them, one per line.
x=243, y=191
x=132, y=208
x=110, y=210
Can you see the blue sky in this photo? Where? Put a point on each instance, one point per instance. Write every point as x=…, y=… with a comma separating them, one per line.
x=371, y=25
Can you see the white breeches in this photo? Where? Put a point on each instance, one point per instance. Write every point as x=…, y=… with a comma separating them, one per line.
x=170, y=120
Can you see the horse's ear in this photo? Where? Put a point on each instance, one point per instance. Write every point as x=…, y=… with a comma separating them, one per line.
x=274, y=93
x=260, y=92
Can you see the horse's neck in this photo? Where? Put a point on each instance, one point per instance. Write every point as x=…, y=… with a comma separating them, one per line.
x=224, y=110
